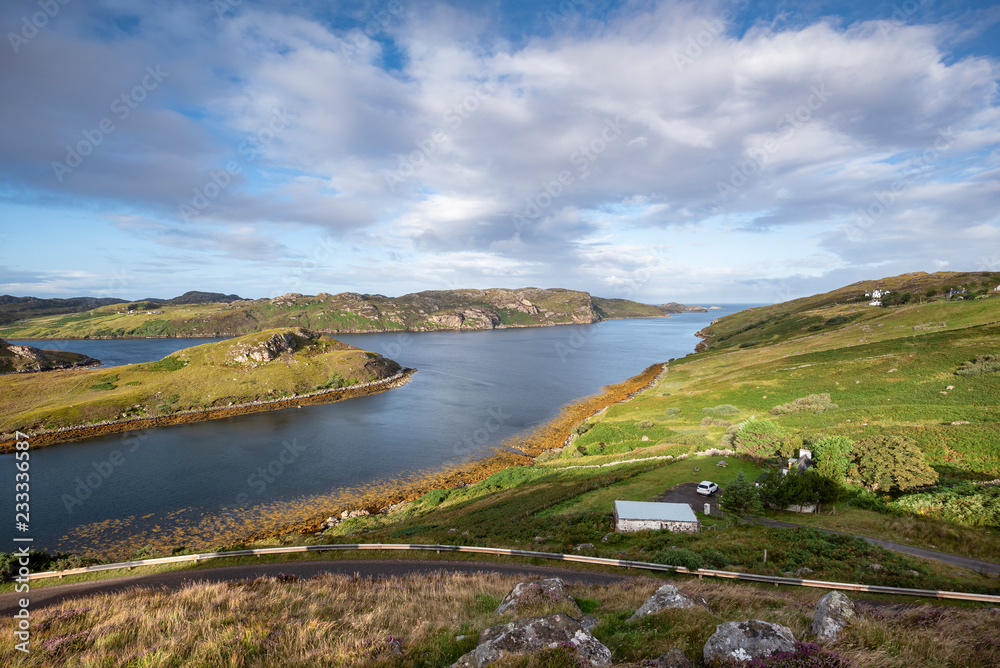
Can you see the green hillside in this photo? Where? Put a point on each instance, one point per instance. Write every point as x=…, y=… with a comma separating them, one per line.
x=341, y=313
x=266, y=365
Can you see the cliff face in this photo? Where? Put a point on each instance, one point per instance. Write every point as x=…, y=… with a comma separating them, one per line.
x=24, y=359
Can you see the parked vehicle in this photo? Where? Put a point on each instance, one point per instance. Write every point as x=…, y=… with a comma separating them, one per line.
x=707, y=487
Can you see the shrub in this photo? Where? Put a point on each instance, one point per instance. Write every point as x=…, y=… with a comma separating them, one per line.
x=749, y=344
x=681, y=557
x=973, y=505
x=760, y=439
x=983, y=364
x=721, y=409
x=833, y=457
x=814, y=402
x=714, y=558
x=169, y=363
x=106, y=385
x=726, y=440
x=887, y=463
x=646, y=424
x=715, y=422
x=672, y=411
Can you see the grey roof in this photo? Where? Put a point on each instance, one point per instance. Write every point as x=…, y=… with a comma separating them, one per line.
x=645, y=510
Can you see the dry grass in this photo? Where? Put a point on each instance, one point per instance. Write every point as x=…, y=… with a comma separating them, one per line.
x=337, y=620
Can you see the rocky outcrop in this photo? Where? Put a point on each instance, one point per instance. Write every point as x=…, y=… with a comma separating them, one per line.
x=538, y=592
x=533, y=634
x=833, y=613
x=743, y=641
x=666, y=597
x=674, y=307
x=270, y=348
x=673, y=659
x=26, y=359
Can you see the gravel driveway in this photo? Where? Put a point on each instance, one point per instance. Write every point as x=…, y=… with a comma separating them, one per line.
x=685, y=493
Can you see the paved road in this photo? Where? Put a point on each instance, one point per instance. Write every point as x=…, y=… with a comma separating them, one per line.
x=54, y=595
x=953, y=559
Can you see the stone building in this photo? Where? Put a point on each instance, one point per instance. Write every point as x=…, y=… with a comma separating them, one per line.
x=647, y=516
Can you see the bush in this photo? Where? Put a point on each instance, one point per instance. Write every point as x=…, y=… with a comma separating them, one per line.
x=646, y=424
x=726, y=440
x=888, y=463
x=672, y=411
x=169, y=363
x=105, y=386
x=722, y=409
x=715, y=422
x=833, y=457
x=982, y=365
x=740, y=498
x=760, y=439
x=715, y=559
x=681, y=557
x=973, y=505
x=814, y=402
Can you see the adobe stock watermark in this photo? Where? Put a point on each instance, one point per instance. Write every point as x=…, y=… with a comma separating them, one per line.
x=883, y=200
x=697, y=44
x=413, y=162
x=260, y=479
x=319, y=256
x=220, y=179
x=901, y=15
x=122, y=107
x=556, y=15
x=476, y=439
x=87, y=484
x=31, y=25
x=360, y=39
x=583, y=158
x=756, y=158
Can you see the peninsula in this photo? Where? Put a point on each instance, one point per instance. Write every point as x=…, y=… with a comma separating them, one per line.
x=277, y=368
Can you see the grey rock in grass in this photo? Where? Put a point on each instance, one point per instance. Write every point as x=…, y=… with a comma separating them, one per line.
x=673, y=659
x=665, y=598
x=548, y=591
x=747, y=640
x=833, y=613
x=532, y=634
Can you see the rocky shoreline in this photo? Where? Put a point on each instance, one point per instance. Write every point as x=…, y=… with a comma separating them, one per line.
x=64, y=434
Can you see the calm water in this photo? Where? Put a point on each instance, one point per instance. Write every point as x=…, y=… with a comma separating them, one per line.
x=472, y=390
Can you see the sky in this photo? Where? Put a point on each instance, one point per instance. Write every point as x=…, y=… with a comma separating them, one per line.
x=735, y=151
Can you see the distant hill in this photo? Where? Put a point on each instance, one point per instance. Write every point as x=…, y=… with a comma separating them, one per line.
x=674, y=307
x=196, y=297
x=432, y=310
x=20, y=308
x=843, y=306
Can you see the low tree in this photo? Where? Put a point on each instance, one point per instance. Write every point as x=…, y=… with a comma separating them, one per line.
x=758, y=439
x=833, y=457
x=740, y=498
x=890, y=463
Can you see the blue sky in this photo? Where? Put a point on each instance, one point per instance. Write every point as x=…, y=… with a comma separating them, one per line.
x=730, y=151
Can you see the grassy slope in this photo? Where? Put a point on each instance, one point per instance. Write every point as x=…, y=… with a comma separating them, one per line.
x=848, y=304
x=347, y=312
x=194, y=378
x=345, y=621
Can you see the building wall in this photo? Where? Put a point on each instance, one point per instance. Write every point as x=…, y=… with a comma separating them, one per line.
x=656, y=525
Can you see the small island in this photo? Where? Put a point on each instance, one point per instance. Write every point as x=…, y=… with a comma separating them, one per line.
x=26, y=359
x=269, y=370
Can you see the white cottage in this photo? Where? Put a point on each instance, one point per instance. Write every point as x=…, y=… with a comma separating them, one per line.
x=646, y=516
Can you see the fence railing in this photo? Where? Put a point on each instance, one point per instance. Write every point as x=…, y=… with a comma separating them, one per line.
x=620, y=563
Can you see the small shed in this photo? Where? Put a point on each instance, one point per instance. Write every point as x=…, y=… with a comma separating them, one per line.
x=646, y=516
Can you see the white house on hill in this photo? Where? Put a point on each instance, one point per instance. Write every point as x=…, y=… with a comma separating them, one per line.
x=646, y=516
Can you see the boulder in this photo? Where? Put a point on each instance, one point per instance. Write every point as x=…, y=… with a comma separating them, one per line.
x=833, y=612
x=533, y=634
x=747, y=640
x=665, y=598
x=535, y=592
x=673, y=659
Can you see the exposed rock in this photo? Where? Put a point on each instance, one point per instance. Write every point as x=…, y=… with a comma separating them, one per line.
x=24, y=359
x=351, y=514
x=673, y=659
x=747, y=640
x=550, y=590
x=805, y=570
x=271, y=348
x=589, y=622
x=287, y=299
x=912, y=574
x=875, y=568
x=584, y=547
x=446, y=320
x=833, y=612
x=665, y=598
x=536, y=633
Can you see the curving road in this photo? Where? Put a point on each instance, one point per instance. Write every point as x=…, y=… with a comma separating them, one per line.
x=54, y=595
